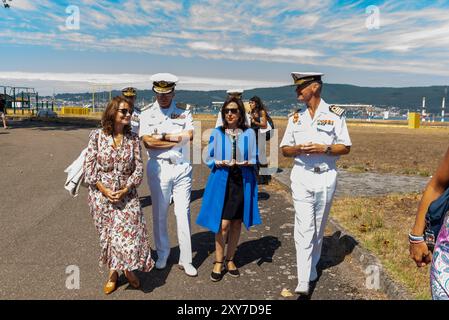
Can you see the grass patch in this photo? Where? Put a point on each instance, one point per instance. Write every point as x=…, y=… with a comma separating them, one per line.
x=382, y=224
x=388, y=149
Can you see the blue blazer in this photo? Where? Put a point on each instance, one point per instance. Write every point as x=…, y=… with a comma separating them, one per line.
x=220, y=148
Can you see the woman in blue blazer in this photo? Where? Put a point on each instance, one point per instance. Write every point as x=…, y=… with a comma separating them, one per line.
x=231, y=191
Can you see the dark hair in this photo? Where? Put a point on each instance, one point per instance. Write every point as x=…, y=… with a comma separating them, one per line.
x=108, y=118
x=130, y=100
x=259, y=104
x=242, y=119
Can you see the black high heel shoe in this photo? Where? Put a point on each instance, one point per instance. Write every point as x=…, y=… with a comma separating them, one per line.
x=233, y=273
x=217, y=276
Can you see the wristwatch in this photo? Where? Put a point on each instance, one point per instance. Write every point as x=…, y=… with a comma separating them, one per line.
x=328, y=150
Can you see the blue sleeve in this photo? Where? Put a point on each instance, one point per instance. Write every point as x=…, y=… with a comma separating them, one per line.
x=251, y=147
x=210, y=160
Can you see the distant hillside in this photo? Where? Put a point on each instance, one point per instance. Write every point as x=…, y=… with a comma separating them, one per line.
x=283, y=98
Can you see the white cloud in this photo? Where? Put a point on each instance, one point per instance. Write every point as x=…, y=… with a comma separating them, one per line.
x=302, y=22
x=167, y=6
x=300, y=31
x=208, y=47
x=78, y=82
x=23, y=5
x=281, y=52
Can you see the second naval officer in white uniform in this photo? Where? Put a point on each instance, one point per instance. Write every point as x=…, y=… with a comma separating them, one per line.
x=166, y=130
x=315, y=137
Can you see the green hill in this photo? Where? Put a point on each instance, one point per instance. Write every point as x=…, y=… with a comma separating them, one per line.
x=282, y=99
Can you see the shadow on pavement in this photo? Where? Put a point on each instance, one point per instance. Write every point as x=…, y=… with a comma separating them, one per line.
x=260, y=250
x=155, y=278
x=196, y=194
x=335, y=248
x=203, y=243
x=263, y=196
x=145, y=201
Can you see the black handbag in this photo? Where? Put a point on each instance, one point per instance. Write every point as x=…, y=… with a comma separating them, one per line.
x=435, y=217
x=269, y=134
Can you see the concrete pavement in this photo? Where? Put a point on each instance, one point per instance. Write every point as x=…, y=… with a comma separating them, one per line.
x=44, y=231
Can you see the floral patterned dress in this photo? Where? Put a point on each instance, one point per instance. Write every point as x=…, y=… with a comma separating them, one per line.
x=439, y=272
x=121, y=226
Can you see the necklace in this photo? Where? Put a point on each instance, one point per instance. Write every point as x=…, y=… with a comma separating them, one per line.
x=116, y=145
x=232, y=132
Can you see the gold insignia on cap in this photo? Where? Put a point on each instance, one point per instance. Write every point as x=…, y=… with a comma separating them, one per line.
x=303, y=80
x=129, y=92
x=163, y=86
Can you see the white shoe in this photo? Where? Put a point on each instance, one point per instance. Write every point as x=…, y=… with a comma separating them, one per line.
x=189, y=269
x=302, y=288
x=161, y=264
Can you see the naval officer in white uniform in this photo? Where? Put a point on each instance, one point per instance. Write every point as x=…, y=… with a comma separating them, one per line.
x=315, y=137
x=166, y=130
x=130, y=94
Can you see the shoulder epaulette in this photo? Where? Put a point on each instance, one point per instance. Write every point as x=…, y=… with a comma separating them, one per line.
x=293, y=113
x=183, y=106
x=337, y=110
x=148, y=106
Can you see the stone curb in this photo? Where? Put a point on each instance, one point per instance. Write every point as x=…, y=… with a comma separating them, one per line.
x=393, y=289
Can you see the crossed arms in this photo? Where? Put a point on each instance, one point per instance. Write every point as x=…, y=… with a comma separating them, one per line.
x=156, y=141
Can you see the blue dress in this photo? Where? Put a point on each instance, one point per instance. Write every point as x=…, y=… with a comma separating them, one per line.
x=220, y=148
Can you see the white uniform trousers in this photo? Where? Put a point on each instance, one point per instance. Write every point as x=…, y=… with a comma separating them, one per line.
x=312, y=197
x=166, y=180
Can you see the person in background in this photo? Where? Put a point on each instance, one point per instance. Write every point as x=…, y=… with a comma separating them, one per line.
x=3, y=112
x=113, y=170
x=419, y=252
x=259, y=120
x=130, y=94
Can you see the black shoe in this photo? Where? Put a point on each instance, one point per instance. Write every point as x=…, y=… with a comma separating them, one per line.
x=233, y=273
x=217, y=276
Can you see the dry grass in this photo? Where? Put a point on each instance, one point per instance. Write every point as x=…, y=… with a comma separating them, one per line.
x=388, y=148
x=381, y=225
x=379, y=148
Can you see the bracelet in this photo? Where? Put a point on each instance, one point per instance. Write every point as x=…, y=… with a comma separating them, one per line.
x=415, y=239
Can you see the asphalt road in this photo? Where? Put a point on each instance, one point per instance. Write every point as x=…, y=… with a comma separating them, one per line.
x=44, y=231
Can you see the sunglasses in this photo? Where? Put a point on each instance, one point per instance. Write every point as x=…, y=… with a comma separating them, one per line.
x=233, y=111
x=125, y=112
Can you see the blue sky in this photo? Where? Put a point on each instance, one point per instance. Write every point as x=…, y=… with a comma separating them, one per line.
x=219, y=44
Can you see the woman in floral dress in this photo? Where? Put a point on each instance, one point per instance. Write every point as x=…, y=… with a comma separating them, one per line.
x=113, y=170
x=419, y=252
